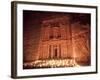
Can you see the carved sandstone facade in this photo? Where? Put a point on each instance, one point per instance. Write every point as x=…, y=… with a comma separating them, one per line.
x=59, y=38
x=55, y=41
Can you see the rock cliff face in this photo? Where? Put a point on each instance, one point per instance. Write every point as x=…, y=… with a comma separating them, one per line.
x=57, y=37
x=81, y=43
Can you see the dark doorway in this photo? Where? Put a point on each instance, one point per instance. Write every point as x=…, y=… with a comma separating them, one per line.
x=55, y=53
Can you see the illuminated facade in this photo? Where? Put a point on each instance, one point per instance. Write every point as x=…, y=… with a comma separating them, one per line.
x=55, y=41
x=60, y=43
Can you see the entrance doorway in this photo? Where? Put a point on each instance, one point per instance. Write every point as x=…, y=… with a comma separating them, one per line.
x=55, y=53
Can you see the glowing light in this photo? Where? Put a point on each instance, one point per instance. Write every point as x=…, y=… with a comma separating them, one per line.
x=53, y=63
